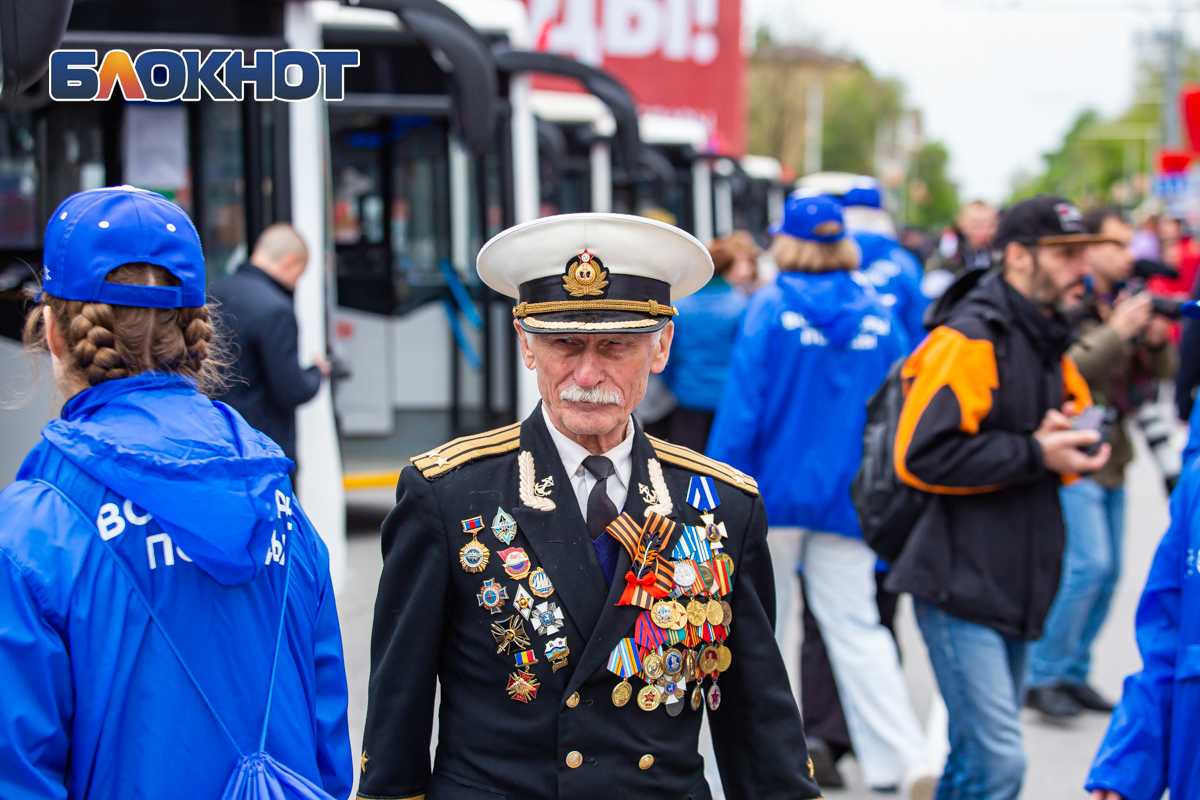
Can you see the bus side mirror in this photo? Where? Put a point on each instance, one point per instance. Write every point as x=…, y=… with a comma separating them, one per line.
x=30, y=30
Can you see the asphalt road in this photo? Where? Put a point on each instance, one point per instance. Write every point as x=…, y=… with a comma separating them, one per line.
x=1058, y=754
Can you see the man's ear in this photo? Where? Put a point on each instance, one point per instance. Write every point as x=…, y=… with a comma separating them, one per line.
x=526, y=350
x=662, y=352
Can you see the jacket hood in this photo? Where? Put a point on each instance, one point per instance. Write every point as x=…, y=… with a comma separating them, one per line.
x=989, y=297
x=207, y=477
x=832, y=302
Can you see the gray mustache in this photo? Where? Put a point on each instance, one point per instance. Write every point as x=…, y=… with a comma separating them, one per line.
x=595, y=395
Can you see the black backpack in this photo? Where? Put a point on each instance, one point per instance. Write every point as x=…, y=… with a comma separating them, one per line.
x=887, y=507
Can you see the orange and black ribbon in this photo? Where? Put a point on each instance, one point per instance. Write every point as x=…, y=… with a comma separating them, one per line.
x=650, y=575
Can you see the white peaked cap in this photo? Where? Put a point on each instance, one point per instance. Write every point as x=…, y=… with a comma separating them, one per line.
x=641, y=266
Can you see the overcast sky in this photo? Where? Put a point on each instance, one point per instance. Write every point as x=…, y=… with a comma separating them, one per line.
x=999, y=81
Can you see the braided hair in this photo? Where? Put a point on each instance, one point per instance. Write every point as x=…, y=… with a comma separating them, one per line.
x=104, y=341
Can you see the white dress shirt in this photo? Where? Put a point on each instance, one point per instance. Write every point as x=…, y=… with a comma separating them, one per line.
x=573, y=454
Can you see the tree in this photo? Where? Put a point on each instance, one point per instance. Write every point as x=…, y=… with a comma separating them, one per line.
x=932, y=196
x=856, y=104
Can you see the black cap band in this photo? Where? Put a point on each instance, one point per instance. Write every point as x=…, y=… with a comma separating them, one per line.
x=620, y=287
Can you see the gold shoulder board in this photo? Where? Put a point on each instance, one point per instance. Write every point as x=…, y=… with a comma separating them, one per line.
x=690, y=459
x=459, y=452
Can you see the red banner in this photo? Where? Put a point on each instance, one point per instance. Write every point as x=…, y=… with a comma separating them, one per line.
x=679, y=58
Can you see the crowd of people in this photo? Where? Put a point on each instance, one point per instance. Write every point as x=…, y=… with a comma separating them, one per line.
x=843, y=407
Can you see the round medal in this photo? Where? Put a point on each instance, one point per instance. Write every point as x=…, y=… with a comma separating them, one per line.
x=708, y=660
x=685, y=576
x=707, y=577
x=679, y=616
x=672, y=662
x=696, y=613
x=649, y=697
x=714, y=613
x=662, y=615
x=714, y=697
x=689, y=664
x=652, y=665
x=725, y=559
x=670, y=687
x=727, y=615
x=674, y=709
x=621, y=693
x=697, y=697
x=724, y=658
x=473, y=556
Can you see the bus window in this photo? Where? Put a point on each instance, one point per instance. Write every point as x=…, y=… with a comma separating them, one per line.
x=222, y=187
x=20, y=227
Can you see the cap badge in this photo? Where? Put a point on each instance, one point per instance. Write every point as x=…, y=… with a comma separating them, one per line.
x=1069, y=217
x=585, y=276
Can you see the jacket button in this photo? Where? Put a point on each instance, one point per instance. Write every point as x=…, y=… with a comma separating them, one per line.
x=573, y=700
x=574, y=759
x=646, y=762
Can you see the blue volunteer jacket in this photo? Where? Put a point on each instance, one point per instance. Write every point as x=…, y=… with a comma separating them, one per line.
x=812, y=351
x=1153, y=742
x=197, y=504
x=896, y=276
x=707, y=324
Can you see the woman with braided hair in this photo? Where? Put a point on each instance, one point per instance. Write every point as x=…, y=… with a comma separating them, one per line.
x=166, y=615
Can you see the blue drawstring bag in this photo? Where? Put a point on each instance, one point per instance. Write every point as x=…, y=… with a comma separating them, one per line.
x=257, y=775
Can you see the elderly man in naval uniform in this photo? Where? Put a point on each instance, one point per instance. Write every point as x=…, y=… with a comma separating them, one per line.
x=583, y=593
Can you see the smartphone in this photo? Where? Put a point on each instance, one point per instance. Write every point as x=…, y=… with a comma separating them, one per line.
x=1096, y=418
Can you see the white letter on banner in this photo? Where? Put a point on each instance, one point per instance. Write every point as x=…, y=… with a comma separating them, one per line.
x=677, y=30
x=631, y=28
x=168, y=555
x=578, y=34
x=132, y=516
x=109, y=521
x=706, y=45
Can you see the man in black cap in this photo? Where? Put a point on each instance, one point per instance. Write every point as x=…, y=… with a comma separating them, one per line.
x=582, y=593
x=987, y=428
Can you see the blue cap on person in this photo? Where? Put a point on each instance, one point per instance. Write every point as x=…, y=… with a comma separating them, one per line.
x=814, y=218
x=864, y=191
x=92, y=233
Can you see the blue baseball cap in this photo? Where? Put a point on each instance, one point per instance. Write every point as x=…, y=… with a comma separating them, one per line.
x=864, y=191
x=92, y=233
x=814, y=218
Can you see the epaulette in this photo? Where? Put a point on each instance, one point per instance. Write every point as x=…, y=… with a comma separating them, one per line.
x=690, y=459
x=466, y=449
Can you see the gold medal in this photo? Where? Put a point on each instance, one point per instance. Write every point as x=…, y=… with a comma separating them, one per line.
x=724, y=658
x=727, y=613
x=689, y=664
x=707, y=662
x=707, y=577
x=649, y=697
x=697, y=697
x=696, y=612
x=473, y=556
x=679, y=616
x=673, y=663
x=663, y=615
x=722, y=557
x=714, y=613
x=621, y=693
x=652, y=665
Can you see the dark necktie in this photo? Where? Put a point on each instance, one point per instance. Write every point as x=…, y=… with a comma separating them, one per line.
x=601, y=511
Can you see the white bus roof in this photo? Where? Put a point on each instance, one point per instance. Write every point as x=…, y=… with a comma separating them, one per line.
x=661, y=129
x=763, y=167
x=573, y=107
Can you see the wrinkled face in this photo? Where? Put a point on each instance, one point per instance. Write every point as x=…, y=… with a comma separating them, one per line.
x=1112, y=260
x=590, y=383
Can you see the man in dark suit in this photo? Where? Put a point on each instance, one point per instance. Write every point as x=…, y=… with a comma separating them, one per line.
x=577, y=645
x=267, y=383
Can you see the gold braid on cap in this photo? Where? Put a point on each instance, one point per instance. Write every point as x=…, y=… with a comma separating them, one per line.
x=651, y=307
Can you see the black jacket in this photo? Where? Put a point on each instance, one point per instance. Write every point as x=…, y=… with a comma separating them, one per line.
x=267, y=383
x=430, y=627
x=989, y=547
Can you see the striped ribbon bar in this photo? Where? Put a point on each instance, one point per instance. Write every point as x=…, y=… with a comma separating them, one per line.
x=624, y=660
x=648, y=635
x=651, y=576
x=526, y=658
x=720, y=576
x=692, y=544
x=702, y=493
x=675, y=637
x=693, y=637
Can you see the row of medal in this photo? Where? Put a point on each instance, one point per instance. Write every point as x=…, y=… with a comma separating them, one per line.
x=510, y=635
x=703, y=573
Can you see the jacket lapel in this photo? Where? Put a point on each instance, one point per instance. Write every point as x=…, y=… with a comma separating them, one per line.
x=616, y=621
x=559, y=538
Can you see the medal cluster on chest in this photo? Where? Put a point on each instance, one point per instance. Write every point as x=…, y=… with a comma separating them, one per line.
x=511, y=635
x=679, y=639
